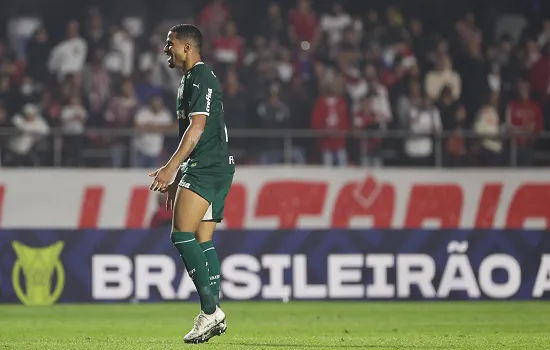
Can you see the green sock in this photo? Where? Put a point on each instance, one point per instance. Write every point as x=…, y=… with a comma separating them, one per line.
x=197, y=267
x=213, y=267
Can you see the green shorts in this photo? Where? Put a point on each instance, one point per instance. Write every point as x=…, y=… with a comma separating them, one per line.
x=212, y=187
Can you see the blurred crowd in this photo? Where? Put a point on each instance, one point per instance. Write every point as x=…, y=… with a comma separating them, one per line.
x=459, y=96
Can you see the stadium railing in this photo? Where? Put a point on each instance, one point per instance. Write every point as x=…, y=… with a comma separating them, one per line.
x=287, y=139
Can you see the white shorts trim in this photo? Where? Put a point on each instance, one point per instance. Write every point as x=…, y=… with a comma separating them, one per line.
x=208, y=214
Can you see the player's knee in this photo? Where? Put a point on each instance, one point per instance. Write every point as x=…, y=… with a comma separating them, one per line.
x=179, y=226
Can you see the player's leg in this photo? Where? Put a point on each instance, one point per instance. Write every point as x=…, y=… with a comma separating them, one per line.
x=189, y=209
x=204, y=235
x=191, y=204
x=205, y=232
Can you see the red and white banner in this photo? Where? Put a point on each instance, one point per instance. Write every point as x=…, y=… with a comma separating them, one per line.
x=280, y=197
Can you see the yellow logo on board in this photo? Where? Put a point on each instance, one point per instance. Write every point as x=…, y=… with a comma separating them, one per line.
x=37, y=267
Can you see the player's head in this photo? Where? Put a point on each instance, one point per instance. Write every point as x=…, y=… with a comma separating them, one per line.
x=182, y=40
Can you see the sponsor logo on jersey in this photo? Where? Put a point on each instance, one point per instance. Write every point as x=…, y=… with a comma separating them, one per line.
x=36, y=266
x=208, y=98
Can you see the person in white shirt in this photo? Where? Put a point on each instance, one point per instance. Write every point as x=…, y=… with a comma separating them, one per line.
x=424, y=121
x=334, y=23
x=69, y=56
x=488, y=126
x=73, y=121
x=443, y=76
x=152, y=120
x=31, y=127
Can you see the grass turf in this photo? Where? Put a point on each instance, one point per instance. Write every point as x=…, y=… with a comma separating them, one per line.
x=274, y=325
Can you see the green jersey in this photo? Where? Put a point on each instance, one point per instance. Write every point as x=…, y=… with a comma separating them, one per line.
x=200, y=93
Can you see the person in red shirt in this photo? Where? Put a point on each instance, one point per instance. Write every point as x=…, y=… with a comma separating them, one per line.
x=524, y=119
x=228, y=49
x=304, y=25
x=330, y=113
x=212, y=19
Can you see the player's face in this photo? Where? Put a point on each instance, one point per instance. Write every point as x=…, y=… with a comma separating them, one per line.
x=175, y=50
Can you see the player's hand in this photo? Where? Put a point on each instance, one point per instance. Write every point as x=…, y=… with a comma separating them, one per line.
x=163, y=177
x=170, y=191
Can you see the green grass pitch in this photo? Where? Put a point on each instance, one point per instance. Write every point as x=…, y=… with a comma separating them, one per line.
x=277, y=325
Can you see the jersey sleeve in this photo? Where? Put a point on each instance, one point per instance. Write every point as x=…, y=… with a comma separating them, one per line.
x=201, y=96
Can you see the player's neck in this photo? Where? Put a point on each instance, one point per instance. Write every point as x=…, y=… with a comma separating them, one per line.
x=190, y=63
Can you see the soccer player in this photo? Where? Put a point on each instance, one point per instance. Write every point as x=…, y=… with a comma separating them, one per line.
x=198, y=176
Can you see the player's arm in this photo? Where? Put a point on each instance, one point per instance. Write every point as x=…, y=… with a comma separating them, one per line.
x=188, y=142
x=198, y=112
x=199, y=109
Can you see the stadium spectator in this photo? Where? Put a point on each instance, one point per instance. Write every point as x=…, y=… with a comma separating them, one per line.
x=73, y=119
x=455, y=145
x=303, y=28
x=524, y=119
x=407, y=101
x=95, y=33
x=147, y=88
x=472, y=68
x=300, y=98
x=304, y=64
x=420, y=41
x=38, y=49
x=151, y=121
x=381, y=99
x=444, y=75
x=540, y=77
x=468, y=32
x=334, y=23
x=31, y=127
x=120, y=114
x=257, y=51
x=330, y=113
x=273, y=113
x=212, y=19
x=487, y=126
x=532, y=53
x=374, y=29
x=424, y=122
x=366, y=118
x=237, y=110
x=274, y=28
x=97, y=85
x=228, y=48
x=284, y=66
x=544, y=37
x=20, y=29
x=120, y=58
x=27, y=92
x=69, y=55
